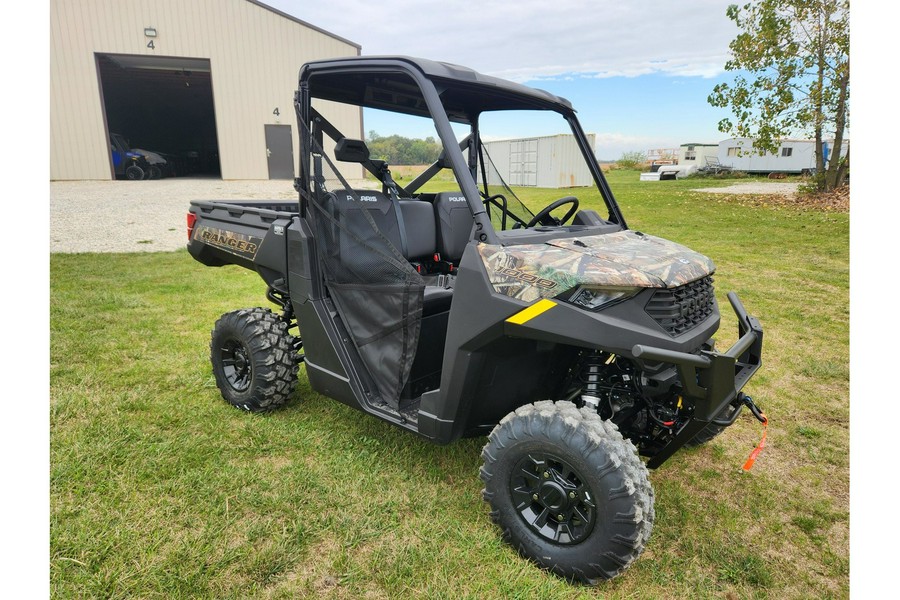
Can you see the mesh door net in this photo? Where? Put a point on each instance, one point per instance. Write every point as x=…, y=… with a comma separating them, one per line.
x=376, y=291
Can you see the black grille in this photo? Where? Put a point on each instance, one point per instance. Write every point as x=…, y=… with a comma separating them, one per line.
x=682, y=308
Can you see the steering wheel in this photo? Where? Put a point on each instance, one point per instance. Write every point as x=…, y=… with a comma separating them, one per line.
x=545, y=212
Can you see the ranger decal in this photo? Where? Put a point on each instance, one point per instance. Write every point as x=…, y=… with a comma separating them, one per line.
x=229, y=241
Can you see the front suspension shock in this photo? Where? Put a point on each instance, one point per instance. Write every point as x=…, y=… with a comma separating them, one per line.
x=590, y=377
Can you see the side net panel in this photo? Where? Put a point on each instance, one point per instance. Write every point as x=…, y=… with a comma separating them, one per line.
x=376, y=291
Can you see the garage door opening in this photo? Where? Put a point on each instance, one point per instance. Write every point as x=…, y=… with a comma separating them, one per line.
x=163, y=106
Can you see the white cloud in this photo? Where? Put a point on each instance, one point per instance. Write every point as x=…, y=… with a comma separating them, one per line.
x=533, y=39
x=611, y=146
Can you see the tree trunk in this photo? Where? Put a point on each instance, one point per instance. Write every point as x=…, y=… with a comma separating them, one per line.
x=843, y=169
x=819, y=99
x=833, y=178
x=820, y=156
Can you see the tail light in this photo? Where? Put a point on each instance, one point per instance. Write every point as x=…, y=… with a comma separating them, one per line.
x=191, y=220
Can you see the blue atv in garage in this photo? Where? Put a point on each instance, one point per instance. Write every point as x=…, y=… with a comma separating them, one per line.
x=127, y=164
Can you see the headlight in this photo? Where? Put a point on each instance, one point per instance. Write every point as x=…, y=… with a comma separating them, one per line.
x=592, y=297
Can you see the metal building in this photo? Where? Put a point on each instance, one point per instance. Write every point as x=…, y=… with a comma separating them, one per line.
x=206, y=83
x=552, y=161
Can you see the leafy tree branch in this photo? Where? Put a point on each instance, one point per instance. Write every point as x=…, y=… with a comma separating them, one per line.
x=791, y=60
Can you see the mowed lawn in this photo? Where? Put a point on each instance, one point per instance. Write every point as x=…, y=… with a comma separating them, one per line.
x=159, y=489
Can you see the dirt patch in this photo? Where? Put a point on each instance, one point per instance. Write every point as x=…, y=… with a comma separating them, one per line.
x=312, y=572
x=836, y=200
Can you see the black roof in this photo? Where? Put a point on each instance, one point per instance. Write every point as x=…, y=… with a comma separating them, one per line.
x=384, y=82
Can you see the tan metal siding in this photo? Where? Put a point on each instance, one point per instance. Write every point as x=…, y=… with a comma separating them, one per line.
x=254, y=53
x=558, y=162
x=562, y=164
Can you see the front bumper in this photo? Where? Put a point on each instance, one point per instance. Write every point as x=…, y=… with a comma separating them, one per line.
x=711, y=380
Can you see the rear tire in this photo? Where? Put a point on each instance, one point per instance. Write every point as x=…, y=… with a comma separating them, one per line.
x=568, y=491
x=253, y=359
x=155, y=172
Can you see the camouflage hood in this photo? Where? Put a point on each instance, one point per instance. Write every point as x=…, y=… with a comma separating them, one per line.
x=623, y=259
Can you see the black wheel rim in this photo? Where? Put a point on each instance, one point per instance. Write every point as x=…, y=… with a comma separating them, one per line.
x=552, y=498
x=236, y=365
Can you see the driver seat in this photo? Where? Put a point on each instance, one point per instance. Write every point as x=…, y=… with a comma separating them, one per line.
x=454, y=223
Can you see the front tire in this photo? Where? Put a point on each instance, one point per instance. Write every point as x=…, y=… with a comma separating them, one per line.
x=568, y=491
x=134, y=173
x=253, y=359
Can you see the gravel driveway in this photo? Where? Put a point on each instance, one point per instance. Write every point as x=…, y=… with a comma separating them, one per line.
x=140, y=216
x=767, y=188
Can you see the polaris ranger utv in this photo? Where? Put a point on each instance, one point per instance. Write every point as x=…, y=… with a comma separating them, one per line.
x=574, y=342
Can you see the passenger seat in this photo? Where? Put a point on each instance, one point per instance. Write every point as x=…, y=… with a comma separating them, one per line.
x=454, y=225
x=418, y=221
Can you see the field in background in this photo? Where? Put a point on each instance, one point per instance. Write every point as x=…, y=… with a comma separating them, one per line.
x=160, y=489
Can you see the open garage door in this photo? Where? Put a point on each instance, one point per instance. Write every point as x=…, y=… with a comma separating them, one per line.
x=164, y=107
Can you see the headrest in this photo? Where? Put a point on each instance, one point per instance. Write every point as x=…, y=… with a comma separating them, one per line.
x=447, y=201
x=370, y=200
x=455, y=197
x=348, y=150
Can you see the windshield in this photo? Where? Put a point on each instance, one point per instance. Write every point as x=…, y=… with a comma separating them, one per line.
x=528, y=159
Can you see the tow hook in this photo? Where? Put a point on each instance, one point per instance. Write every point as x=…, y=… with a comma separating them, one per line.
x=748, y=402
x=761, y=417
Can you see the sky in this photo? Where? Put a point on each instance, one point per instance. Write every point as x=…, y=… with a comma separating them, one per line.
x=638, y=73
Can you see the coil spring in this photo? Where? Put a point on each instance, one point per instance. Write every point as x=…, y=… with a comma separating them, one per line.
x=590, y=378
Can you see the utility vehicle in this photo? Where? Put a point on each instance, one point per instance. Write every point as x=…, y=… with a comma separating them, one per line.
x=447, y=307
x=127, y=163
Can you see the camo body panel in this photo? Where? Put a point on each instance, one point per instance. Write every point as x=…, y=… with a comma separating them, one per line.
x=531, y=272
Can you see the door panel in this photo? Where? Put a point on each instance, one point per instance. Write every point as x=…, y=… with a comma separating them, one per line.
x=279, y=151
x=523, y=163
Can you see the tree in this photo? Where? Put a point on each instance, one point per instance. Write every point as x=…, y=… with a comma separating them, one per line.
x=399, y=150
x=632, y=160
x=797, y=54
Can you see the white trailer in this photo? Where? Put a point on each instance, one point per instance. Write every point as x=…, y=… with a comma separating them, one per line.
x=793, y=156
x=696, y=154
x=552, y=161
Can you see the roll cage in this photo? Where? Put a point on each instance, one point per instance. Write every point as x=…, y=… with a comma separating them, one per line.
x=444, y=93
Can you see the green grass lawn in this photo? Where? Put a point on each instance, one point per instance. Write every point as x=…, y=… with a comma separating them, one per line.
x=160, y=489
